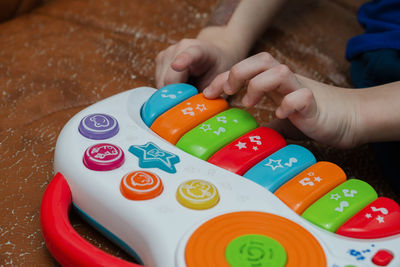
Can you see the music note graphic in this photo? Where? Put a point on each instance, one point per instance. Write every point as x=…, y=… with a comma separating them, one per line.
x=290, y=163
x=382, y=210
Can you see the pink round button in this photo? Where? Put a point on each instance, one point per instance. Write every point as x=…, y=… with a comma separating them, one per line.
x=103, y=157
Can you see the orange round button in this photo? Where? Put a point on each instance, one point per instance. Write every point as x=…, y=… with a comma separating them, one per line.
x=141, y=185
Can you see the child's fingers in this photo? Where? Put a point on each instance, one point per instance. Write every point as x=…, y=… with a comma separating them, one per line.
x=278, y=78
x=163, y=65
x=253, y=96
x=301, y=101
x=172, y=63
x=189, y=57
x=191, y=61
x=160, y=69
x=172, y=76
x=247, y=69
x=177, y=70
x=215, y=88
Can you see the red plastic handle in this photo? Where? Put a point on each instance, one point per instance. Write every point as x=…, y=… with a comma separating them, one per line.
x=63, y=242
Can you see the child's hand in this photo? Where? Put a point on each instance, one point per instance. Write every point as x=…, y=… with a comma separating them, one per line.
x=202, y=59
x=324, y=113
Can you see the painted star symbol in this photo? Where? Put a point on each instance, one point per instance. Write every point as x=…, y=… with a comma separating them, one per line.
x=151, y=156
x=205, y=127
x=201, y=107
x=274, y=164
x=255, y=148
x=380, y=219
x=368, y=215
x=241, y=145
x=317, y=179
x=335, y=196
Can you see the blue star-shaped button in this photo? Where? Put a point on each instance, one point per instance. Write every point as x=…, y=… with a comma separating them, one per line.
x=151, y=156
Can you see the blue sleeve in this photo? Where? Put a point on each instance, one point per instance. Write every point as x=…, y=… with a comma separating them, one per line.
x=381, y=21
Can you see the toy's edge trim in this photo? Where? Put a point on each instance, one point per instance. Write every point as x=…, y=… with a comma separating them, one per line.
x=63, y=242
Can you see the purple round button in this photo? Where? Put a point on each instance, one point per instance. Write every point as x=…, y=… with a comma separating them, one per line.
x=103, y=157
x=98, y=126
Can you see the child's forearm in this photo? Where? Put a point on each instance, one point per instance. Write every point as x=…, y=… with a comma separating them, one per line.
x=223, y=12
x=251, y=18
x=380, y=113
x=244, y=22
x=377, y=109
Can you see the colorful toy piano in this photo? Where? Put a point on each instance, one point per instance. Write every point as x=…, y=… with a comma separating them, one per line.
x=176, y=179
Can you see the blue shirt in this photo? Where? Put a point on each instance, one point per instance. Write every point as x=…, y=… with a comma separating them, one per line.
x=381, y=20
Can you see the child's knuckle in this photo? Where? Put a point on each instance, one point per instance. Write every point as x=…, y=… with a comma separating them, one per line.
x=265, y=57
x=236, y=72
x=283, y=71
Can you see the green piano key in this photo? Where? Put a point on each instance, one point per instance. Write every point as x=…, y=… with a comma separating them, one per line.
x=210, y=136
x=340, y=204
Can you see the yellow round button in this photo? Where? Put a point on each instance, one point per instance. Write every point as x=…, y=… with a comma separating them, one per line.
x=197, y=194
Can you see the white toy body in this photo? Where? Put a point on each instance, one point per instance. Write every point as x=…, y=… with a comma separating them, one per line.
x=158, y=229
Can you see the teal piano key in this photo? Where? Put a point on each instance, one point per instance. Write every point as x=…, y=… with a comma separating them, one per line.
x=280, y=167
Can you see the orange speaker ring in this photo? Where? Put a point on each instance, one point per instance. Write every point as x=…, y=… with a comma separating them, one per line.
x=206, y=247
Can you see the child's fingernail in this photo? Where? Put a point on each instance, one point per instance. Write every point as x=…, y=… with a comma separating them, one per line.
x=205, y=91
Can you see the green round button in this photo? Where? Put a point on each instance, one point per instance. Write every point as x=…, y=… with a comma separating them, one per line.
x=255, y=250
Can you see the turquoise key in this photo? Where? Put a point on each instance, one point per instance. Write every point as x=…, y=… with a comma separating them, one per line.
x=280, y=167
x=164, y=99
x=340, y=204
x=213, y=134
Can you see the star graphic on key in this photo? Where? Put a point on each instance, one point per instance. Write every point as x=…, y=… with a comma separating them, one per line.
x=274, y=164
x=205, y=127
x=151, y=156
x=368, y=215
x=241, y=145
x=335, y=196
x=317, y=179
x=201, y=107
x=380, y=219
